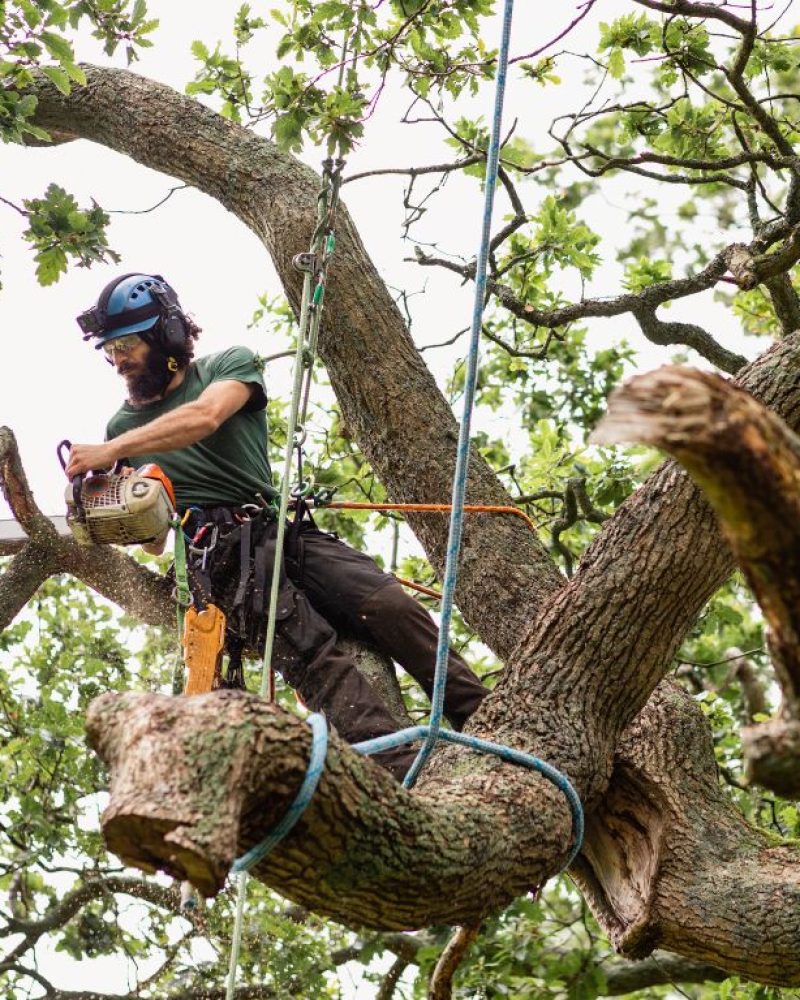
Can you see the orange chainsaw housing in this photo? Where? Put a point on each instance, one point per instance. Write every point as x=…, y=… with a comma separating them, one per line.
x=152, y=471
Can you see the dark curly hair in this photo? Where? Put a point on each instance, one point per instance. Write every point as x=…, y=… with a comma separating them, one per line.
x=186, y=354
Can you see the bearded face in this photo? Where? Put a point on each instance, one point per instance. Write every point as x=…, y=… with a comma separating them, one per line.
x=145, y=372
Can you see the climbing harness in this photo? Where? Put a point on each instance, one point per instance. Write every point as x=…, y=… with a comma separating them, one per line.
x=311, y=308
x=231, y=552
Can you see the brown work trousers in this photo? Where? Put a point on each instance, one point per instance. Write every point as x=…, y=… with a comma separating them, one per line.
x=335, y=588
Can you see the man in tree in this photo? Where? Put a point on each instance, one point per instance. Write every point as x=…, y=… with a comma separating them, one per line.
x=203, y=421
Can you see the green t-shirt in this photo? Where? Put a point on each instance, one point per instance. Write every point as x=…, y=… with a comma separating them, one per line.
x=227, y=468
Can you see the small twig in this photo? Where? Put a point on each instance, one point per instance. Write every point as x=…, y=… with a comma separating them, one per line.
x=548, y=45
x=144, y=211
x=16, y=208
x=445, y=343
x=728, y=659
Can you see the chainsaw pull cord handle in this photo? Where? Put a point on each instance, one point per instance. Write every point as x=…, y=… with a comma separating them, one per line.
x=66, y=443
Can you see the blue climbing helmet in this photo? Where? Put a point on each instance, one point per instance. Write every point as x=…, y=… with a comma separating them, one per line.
x=136, y=303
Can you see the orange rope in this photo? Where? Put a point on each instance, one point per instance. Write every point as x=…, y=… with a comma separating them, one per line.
x=419, y=586
x=424, y=508
x=430, y=507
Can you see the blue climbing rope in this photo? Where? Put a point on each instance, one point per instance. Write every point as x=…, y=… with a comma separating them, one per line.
x=432, y=732
x=316, y=764
x=504, y=753
x=462, y=460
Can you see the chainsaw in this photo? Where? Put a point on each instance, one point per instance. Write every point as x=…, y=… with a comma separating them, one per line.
x=122, y=507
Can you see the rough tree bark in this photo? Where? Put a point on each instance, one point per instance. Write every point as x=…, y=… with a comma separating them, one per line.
x=747, y=462
x=583, y=659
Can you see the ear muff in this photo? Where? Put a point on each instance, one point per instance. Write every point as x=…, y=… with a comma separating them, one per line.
x=171, y=327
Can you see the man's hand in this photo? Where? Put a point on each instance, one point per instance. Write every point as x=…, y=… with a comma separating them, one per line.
x=85, y=457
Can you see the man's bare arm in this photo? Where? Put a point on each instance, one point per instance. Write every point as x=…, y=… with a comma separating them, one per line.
x=180, y=427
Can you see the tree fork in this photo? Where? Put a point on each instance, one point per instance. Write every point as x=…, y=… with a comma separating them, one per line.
x=661, y=553
x=666, y=833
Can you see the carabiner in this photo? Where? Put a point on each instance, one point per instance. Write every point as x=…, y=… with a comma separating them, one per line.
x=302, y=489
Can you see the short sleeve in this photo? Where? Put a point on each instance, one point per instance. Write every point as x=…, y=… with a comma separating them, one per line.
x=238, y=364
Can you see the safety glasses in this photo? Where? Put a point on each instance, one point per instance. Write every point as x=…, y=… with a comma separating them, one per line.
x=121, y=345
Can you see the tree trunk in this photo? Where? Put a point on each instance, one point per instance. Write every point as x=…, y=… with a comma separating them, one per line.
x=583, y=659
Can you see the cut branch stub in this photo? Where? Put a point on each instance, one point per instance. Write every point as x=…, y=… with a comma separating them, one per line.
x=747, y=462
x=197, y=781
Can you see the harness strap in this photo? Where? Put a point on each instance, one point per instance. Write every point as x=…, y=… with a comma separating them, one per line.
x=260, y=570
x=244, y=568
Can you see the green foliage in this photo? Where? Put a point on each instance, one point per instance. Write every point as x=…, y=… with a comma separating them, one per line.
x=66, y=649
x=542, y=72
x=35, y=34
x=438, y=45
x=754, y=309
x=471, y=136
x=642, y=273
x=693, y=131
x=58, y=229
x=562, y=240
x=222, y=75
x=568, y=384
x=35, y=37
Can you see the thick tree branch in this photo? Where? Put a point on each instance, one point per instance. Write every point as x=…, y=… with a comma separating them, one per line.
x=441, y=984
x=14, y=485
x=667, y=840
x=661, y=969
x=748, y=464
x=621, y=976
x=754, y=692
x=691, y=335
x=22, y=577
x=223, y=768
x=785, y=302
x=109, y=571
x=711, y=11
x=642, y=305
